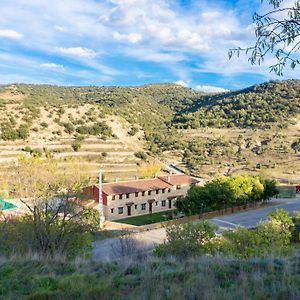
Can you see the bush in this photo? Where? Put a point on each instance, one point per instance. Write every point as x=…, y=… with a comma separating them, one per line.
x=188, y=239
x=44, y=124
x=141, y=155
x=133, y=131
x=76, y=146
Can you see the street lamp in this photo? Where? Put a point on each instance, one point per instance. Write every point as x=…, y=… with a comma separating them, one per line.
x=100, y=207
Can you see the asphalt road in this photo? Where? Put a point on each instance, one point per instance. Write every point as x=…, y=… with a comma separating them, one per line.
x=106, y=250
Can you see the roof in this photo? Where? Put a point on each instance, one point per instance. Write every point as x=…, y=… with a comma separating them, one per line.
x=126, y=187
x=158, y=183
x=179, y=179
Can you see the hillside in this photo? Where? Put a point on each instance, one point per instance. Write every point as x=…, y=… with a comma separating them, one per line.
x=196, y=278
x=260, y=106
x=252, y=130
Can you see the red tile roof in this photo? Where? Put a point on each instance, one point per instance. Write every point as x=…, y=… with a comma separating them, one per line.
x=179, y=179
x=126, y=187
x=143, y=185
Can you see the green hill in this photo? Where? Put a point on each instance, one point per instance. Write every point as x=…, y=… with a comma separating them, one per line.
x=260, y=106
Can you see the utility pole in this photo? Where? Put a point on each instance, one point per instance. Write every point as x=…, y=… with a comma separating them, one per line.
x=101, y=213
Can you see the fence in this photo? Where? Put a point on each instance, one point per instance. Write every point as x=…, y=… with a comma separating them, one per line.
x=204, y=216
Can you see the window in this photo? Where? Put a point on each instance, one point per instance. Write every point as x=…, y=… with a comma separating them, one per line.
x=120, y=196
x=112, y=210
x=120, y=210
x=163, y=203
x=127, y=196
x=135, y=206
x=143, y=206
x=113, y=197
x=136, y=194
x=157, y=192
x=149, y=193
x=178, y=187
x=143, y=193
x=169, y=190
x=163, y=191
x=156, y=203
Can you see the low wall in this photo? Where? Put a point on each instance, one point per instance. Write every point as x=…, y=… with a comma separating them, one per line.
x=203, y=216
x=121, y=226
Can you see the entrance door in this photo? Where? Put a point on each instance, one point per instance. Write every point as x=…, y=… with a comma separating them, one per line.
x=170, y=203
x=150, y=207
x=128, y=210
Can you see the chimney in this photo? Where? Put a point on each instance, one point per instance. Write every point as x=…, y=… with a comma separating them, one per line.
x=169, y=178
x=117, y=180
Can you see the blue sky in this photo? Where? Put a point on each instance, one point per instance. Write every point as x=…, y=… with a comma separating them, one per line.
x=128, y=42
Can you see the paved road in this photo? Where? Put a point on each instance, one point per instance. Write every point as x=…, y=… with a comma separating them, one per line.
x=103, y=249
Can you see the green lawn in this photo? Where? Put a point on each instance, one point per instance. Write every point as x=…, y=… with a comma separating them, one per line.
x=148, y=219
x=287, y=192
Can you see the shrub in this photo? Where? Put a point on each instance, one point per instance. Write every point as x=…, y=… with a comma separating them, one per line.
x=76, y=146
x=141, y=155
x=133, y=131
x=44, y=124
x=187, y=239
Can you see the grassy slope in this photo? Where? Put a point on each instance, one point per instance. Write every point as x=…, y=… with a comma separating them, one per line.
x=199, y=278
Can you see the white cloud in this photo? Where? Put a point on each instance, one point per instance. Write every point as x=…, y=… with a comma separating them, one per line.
x=210, y=89
x=52, y=66
x=182, y=83
x=10, y=34
x=131, y=37
x=78, y=52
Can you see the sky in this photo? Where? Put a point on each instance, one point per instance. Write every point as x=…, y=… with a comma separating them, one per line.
x=129, y=42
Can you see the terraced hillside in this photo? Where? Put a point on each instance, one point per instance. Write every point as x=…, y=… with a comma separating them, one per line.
x=255, y=130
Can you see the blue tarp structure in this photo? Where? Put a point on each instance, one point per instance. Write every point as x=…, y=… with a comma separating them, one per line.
x=6, y=205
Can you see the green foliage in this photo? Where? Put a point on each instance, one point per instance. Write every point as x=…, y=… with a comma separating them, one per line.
x=9, y=133
x=44, y=124
x=283, y=218
x=220, y=193
x=187, y=239
x=69, y=128
x=160, y=279
x=76, y=146
x=141, y=155
x=91, y=217
x=270, y=189
x=96, y=129
x=133, y=130
x=253, y=107
x=266, y=239
x=20, y=236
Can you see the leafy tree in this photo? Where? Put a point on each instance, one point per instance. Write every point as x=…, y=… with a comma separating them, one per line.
x=149, y=170
x=270, y=189
x=52, y=197
x=220, y=193
x=277, y=33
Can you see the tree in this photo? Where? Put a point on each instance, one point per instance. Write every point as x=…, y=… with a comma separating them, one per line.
x=149, y=170
x=52, y=194
x=278, y=34
x=270, y=189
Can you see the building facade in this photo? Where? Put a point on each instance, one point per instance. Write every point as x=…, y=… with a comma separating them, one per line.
x=138, y=197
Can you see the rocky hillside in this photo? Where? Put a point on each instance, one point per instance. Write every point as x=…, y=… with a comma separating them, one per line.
x=252, y=130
